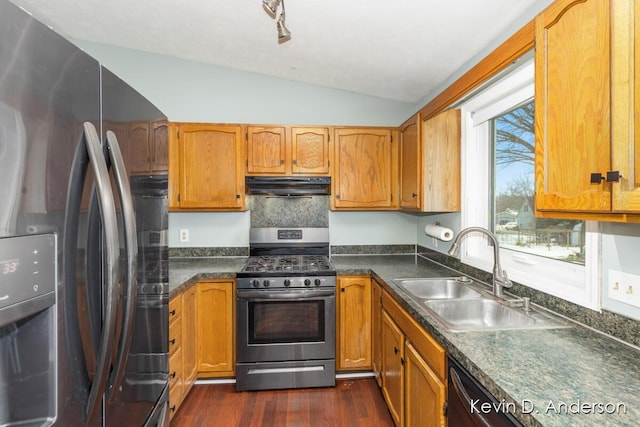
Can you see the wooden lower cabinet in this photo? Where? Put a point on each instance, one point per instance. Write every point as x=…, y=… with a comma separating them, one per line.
x=425, y=392
x=176, y=370
x=189, y=338
x=216, y=328
x=376, y=330
x=392, y=369
x=413, y=369
x=353, y=330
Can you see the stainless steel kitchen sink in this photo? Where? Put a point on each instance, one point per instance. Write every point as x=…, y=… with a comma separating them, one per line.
x=438, y=288
x=463, y=305
x=481, y=314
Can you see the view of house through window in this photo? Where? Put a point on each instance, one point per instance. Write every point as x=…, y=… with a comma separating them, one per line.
x=514, y=222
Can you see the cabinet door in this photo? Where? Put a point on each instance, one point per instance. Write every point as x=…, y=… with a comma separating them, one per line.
x=626, y=106
x=442, y=136
x=310, y=151
x=425, y=393
x=159, y=146
x=266, y=150
x=189, y=337
x=392, y=368
x=175, y=382
x=410, y=158
x=216, y=329
x=354, y=323
x=572, y=106
x=139, y=153
x=210, y=165
x=376, y=330
x=363, y=169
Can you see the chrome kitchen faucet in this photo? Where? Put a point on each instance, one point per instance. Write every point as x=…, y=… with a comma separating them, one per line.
x=500, y=279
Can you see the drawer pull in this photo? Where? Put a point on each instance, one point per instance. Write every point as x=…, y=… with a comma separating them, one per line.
x=395, y=350
x=172, y=312
x=172, y=342
x=173, y=374
x=173, y=408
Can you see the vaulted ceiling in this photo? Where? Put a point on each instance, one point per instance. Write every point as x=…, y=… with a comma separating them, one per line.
x=394, y=49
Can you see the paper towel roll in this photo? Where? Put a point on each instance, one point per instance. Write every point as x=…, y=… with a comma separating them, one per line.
x=442, y=233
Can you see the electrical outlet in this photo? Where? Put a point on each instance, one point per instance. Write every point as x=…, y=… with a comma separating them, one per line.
x=184, y=235
x=624, y=287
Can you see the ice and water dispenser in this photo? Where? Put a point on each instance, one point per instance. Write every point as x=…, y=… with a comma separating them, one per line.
x=28, y=330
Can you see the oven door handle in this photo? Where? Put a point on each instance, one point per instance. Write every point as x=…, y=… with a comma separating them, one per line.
x=287, y=295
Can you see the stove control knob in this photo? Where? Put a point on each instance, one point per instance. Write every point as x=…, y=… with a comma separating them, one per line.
x=287, y=282
x=255, y=283
x=317, y=282
x=266, y=283
x=307, y=282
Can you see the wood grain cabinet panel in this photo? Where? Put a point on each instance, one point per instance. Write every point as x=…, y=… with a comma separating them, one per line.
x=365, y=169
x=354, y=323
x=310, y=150
x=425, y=392
x=586, y=110
x=392, y=368
x=189, y=337
x=376, y=330
x=411, y=169
x=139, y=147
x=216, y=329
x=441, y=138
x=267, y=150
x=159, y=146
x=210, y=167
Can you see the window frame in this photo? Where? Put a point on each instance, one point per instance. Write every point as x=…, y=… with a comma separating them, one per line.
x=569, y=281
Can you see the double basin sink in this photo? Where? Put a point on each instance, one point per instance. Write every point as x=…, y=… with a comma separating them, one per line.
x=463, y=305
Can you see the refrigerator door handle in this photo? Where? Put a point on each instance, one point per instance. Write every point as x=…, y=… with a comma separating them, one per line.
x=131, y=243
x=111, y=248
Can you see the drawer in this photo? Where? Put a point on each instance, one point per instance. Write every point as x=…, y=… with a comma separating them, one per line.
x=175, y=376
x=175, y=336
x=175, y=308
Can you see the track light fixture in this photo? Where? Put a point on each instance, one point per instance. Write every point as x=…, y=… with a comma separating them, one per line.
x=271, y=7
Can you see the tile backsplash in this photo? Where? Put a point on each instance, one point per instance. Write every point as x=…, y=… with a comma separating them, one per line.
x=295, y=211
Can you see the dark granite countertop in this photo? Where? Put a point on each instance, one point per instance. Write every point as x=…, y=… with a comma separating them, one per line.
x=548, y=372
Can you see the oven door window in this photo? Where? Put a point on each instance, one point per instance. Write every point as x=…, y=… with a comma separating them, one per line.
x=273, y=322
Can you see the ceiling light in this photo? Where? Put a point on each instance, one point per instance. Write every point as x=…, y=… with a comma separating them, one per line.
x=271, y=6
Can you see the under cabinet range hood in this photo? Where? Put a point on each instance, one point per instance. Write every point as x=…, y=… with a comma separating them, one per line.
x=288, y=185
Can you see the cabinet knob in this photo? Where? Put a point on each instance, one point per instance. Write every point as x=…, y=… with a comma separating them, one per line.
x=613, y=176
x=414, y=195
x=173, y=374
x=596, y=178
x=337, y=196
x=395, y=350
x=172, y=341
x=172, y=312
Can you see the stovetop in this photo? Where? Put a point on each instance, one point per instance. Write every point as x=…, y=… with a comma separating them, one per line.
x=298, y=265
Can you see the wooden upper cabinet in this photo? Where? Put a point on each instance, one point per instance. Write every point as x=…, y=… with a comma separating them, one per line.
x=365, y=169
x=586, y=114
x=441, y=140
x=267, y=150
x=410, y=167
x=288, y=150
x=210, y=167
x=139, y=149
x=310, y=150
x=159, y=146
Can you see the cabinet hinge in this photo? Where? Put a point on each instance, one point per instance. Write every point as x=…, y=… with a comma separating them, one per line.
x=329, y=163
x=246, y=162
x=391, y=138
x=177, y=134
x=246, y=136
x=444, y=408
x=178, y=196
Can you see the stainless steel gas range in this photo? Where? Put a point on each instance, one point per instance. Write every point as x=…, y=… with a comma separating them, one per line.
x=286, y=295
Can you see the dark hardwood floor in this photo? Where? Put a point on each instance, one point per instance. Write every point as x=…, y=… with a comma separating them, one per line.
x=351, y=403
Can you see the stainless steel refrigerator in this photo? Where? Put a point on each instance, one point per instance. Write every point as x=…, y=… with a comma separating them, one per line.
x=83, y=238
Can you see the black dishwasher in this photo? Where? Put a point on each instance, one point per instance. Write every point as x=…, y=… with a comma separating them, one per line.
x=465, y=402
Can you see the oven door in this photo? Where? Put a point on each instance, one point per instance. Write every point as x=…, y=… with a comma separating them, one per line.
x=285, y=325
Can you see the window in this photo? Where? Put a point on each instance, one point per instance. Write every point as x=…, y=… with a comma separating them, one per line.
x=552, y=255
